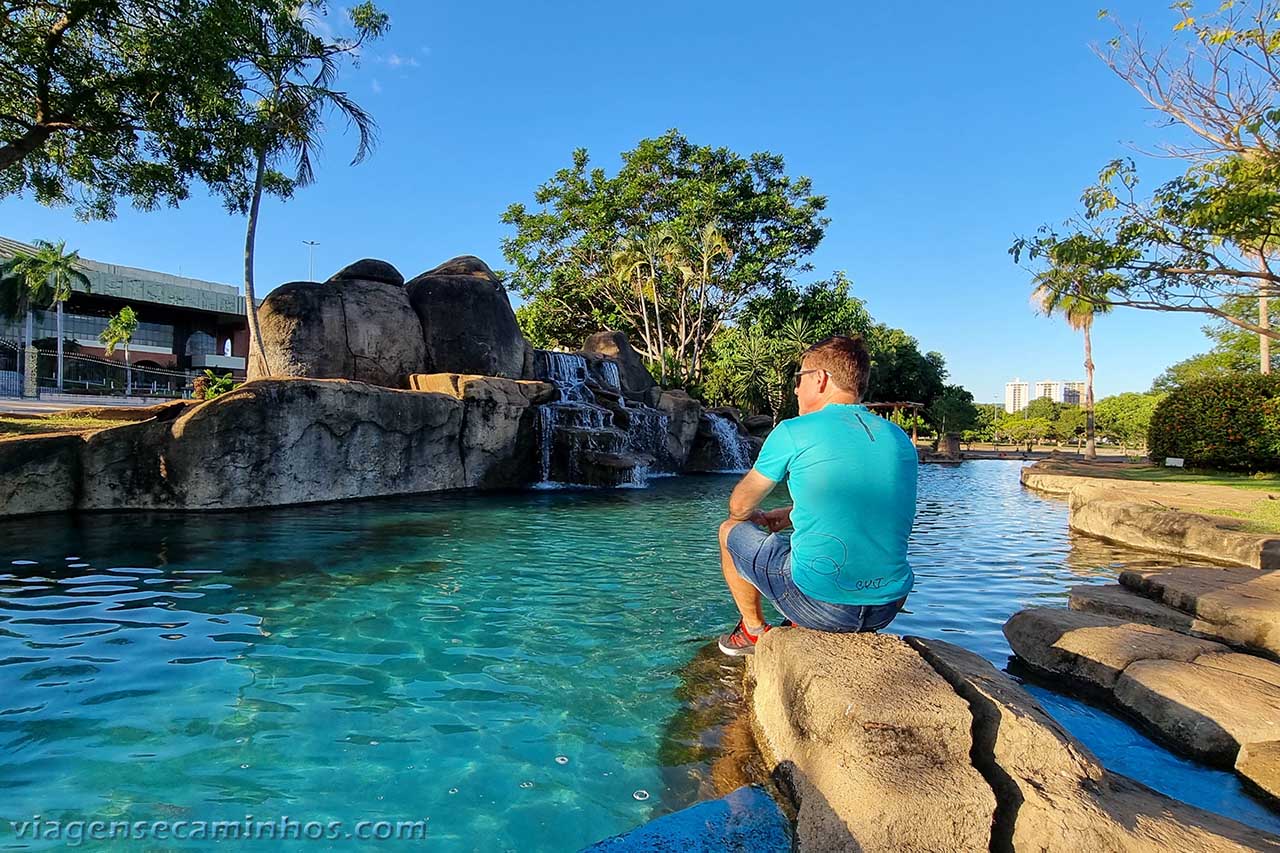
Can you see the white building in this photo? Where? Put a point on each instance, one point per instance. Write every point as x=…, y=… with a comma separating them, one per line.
x=1050, y=388
x=1073, y=392
x=1016, y=396
x=1059, y=391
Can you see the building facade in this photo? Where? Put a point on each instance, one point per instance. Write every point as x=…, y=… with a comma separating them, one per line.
x=1016, y=396
x=184, y=324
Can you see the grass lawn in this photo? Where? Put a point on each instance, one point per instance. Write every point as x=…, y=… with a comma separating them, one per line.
x=1154, y=474
x=11, y=425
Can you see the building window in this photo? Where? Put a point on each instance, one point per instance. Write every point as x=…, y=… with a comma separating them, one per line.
x=201, y=343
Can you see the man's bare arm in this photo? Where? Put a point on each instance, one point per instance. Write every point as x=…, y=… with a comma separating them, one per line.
x=747, y=495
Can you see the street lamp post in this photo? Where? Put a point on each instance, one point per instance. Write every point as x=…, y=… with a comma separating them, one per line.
x=311, y=258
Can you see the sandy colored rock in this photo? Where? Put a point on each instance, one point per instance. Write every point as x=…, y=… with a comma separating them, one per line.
x=1259, y=765
x=1241, y=605
x=683, y=414
x=499, y=429
x=467, y=325
x=1093, y=649
x=1053, y=793
x=1121, y=603
x=279, y=441
x=1205, y=711
x=874, y=743
x=39, y=473
x=349, y=327
x=634, y=377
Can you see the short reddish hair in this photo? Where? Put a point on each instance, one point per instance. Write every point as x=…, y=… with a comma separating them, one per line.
x=846, y=361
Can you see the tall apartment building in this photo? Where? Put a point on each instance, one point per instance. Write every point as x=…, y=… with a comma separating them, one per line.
x=1059, y=391
x=1016, y=396
x=1073, y=392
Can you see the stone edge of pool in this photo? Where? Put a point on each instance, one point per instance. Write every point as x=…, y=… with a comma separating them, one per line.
x=885, y=743
x=1109, y=510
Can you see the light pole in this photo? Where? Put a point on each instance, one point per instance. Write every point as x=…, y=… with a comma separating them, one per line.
x=311, y=258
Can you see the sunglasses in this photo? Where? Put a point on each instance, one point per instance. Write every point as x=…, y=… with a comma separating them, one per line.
x=800, y=374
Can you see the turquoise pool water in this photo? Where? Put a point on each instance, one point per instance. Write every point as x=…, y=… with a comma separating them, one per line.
x=523, y=671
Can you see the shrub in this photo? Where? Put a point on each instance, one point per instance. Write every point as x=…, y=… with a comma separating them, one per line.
x=1227, y=422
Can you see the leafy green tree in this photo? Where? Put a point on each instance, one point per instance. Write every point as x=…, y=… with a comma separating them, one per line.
x=1126, y=418
x=119, y=333
x=1233, y=351
x=1070, y=423
x=672, y=245
x=46, y=276
x=899, y=371
x=1041, y=407
x=1205, y=241
x=953, y=411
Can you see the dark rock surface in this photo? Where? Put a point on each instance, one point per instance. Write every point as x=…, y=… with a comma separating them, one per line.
x=349, y=327
x=467, y=323
x=636, y=380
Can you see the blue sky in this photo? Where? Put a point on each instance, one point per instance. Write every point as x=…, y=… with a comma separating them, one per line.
x=938, y=131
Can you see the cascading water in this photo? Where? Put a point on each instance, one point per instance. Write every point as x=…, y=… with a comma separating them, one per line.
x=732, y=450
x=609, y=370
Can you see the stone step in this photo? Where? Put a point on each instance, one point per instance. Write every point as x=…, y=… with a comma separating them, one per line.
x=1239, y=606
x=1092, y=649
x=1054, y=794
x=1120, y=602
x=1199, y=696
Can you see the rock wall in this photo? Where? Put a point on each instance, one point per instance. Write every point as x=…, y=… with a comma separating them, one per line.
x=279, y=441
x=918, y=745
x=499, y=433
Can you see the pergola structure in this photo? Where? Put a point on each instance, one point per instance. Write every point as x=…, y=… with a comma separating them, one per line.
x=885, y=410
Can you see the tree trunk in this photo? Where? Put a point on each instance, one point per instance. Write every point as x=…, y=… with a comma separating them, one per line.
x=1091, y=447
x=250, y=304
x=1264, y=339
x=128, y=372
x=27, y=330
x=59, y=305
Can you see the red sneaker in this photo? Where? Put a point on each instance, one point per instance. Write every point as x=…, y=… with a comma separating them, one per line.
x=740, y=641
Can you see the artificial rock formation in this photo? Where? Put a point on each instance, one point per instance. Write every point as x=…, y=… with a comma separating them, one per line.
x=889, y=744
x=467, y=323
x=872, y=743
x=357, y=325
x=499, y=431
x=1197, y=695
x=635, y=379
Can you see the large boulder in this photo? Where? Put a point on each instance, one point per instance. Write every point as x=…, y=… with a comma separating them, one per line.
x=635, y=379
x=683, y=414
x=499, y=439
x=467, y=323
x=357, y=325
x=1054, y=795
x=279, y=441
x=872, y=742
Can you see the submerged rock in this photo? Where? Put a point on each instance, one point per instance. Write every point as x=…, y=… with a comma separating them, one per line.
x=467, y=324
x=746, y=820
x=357, y=325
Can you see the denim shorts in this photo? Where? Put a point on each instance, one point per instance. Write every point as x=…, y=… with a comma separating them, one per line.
x=764, y=560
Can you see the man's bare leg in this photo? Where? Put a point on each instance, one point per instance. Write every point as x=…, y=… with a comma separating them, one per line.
x=745, y=596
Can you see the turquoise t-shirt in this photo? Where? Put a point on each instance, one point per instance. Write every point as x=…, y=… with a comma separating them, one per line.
x=852, y=477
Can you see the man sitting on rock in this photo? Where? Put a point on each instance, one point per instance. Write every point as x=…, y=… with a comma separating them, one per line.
x=837, y=559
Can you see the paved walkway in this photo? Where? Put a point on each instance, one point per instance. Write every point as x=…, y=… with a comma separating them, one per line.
x=49, y=403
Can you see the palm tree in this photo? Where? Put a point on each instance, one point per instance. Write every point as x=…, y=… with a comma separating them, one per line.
x=1078, y=308
x=119, y=332
x=295, y=72
x=38, y=278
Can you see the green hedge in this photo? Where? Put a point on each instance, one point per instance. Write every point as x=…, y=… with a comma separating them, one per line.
x=1230, y=423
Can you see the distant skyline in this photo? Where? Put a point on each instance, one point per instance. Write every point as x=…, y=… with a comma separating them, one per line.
x=936, y=145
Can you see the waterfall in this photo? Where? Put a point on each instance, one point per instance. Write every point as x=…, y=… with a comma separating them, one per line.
x=609, y=370
x=568, y=373
x=733, y=451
